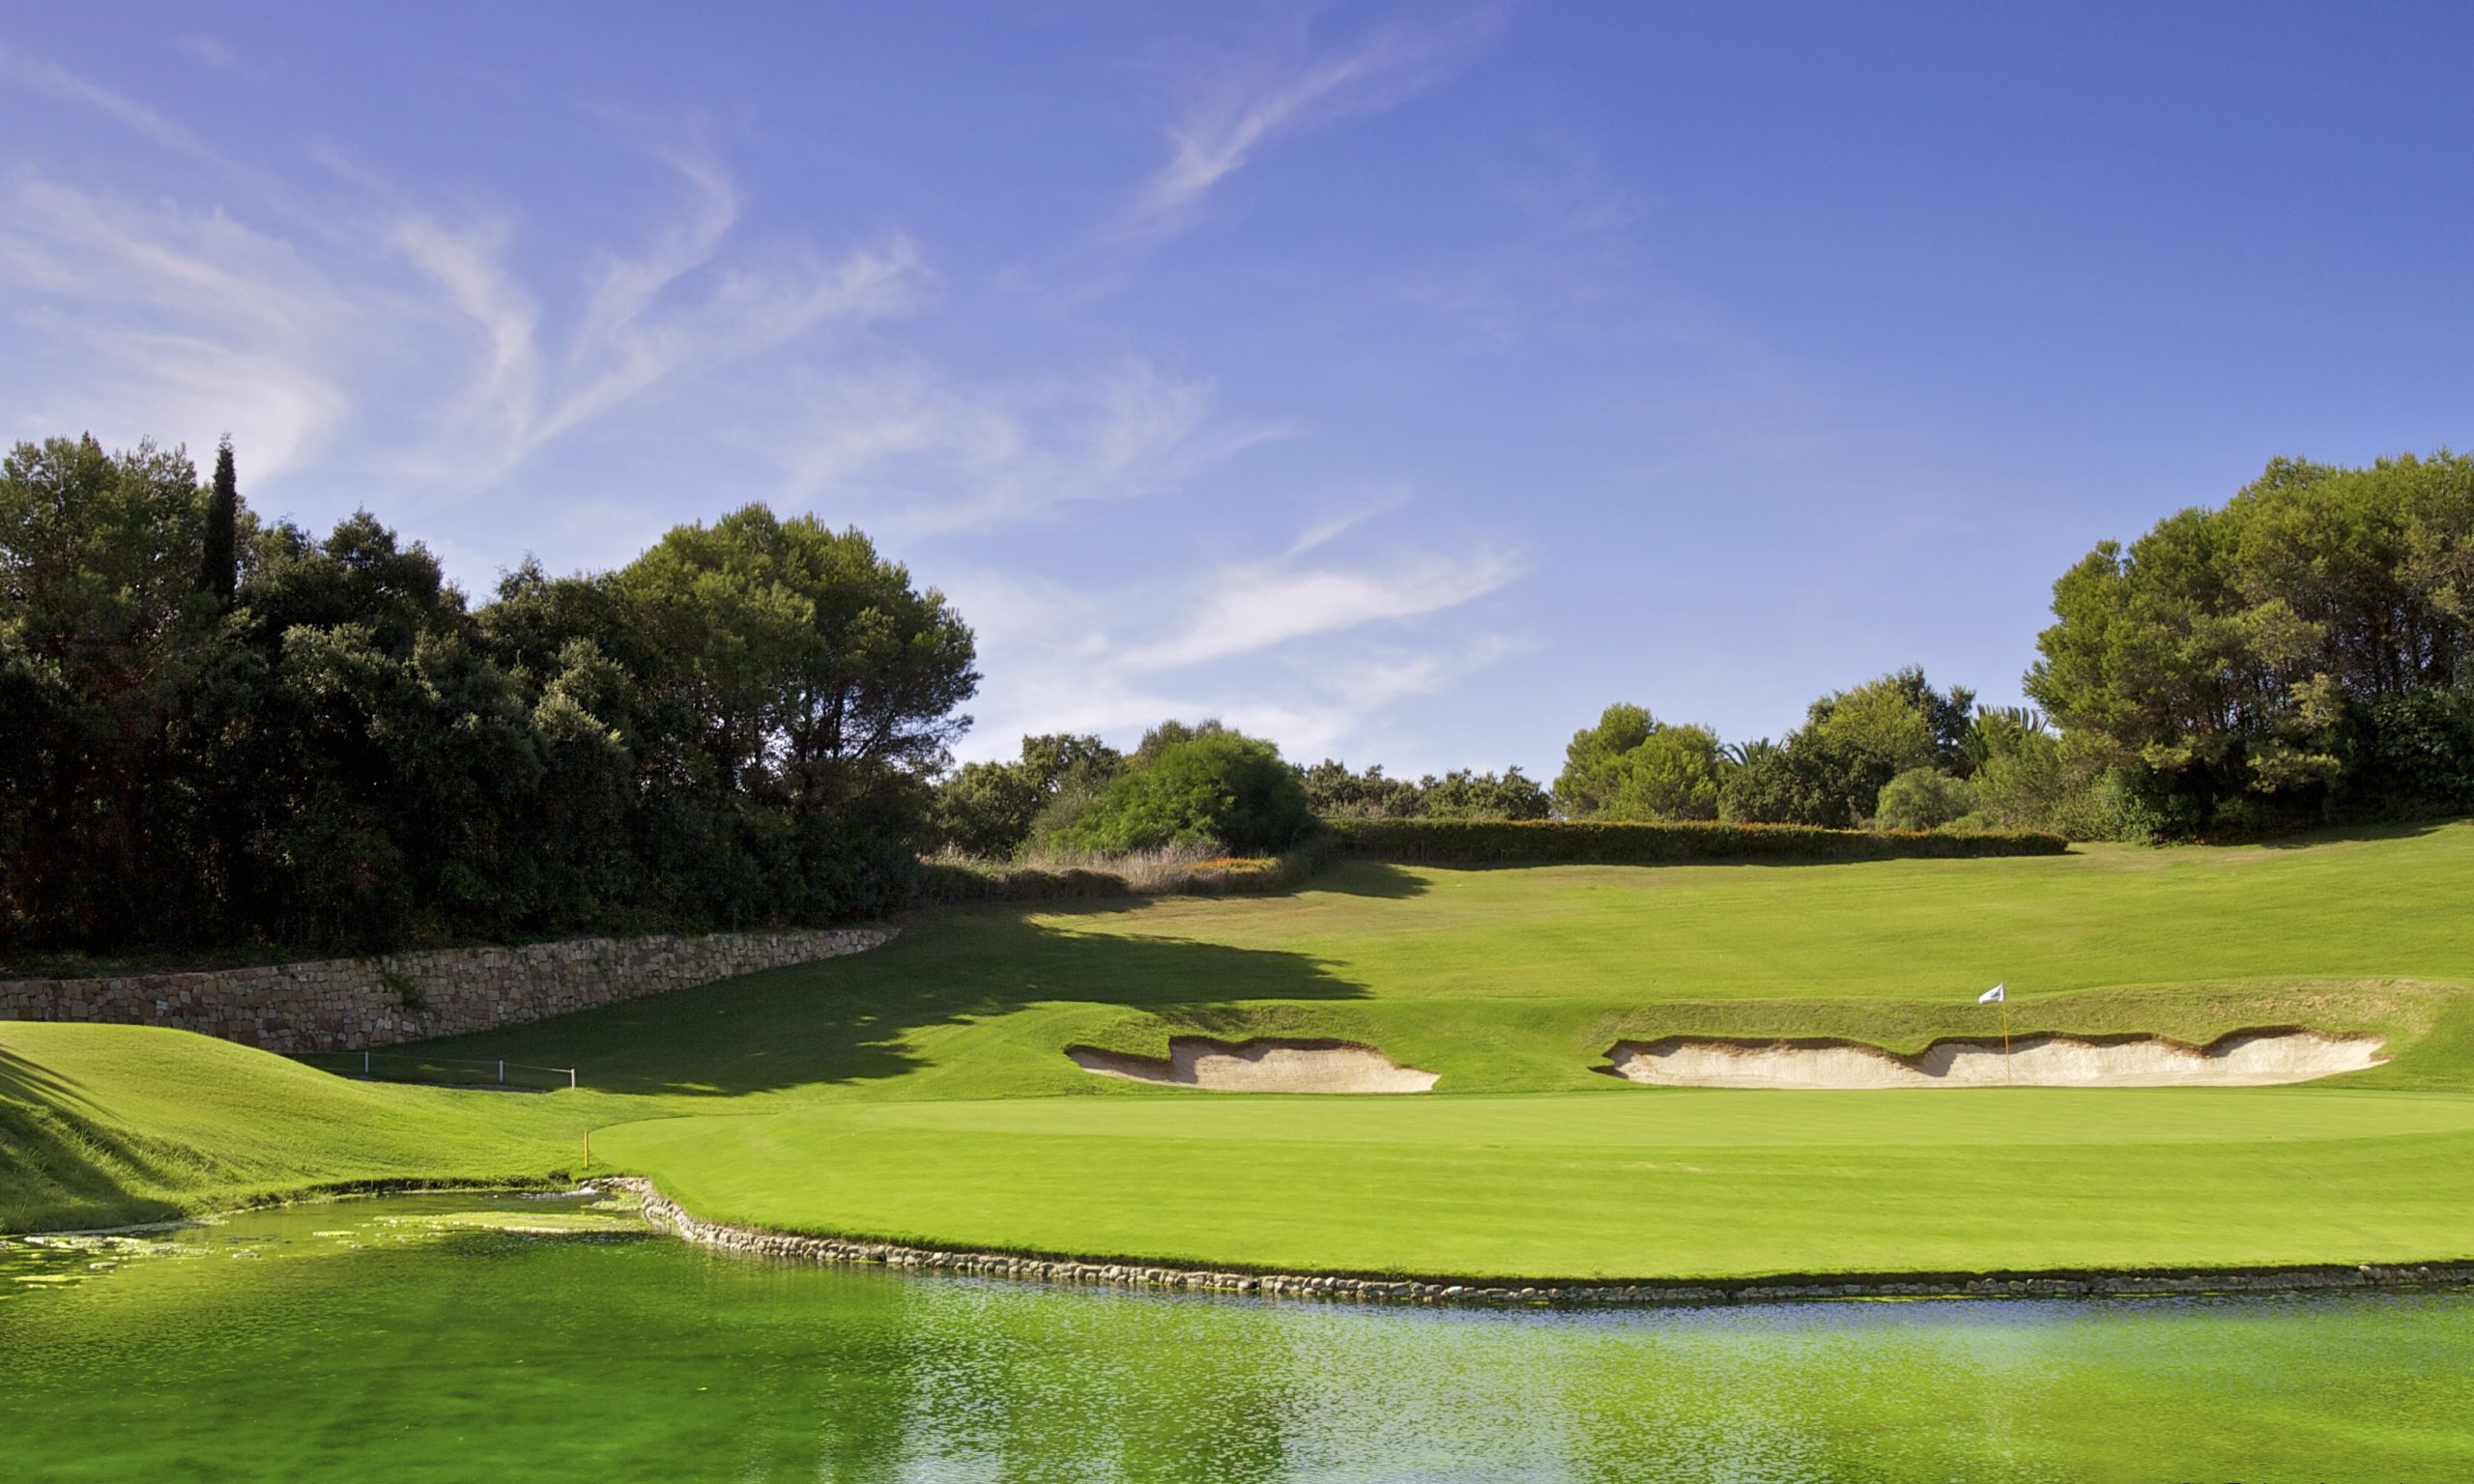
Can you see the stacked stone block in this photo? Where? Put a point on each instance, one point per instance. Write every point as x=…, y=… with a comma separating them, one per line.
x=352, y=1004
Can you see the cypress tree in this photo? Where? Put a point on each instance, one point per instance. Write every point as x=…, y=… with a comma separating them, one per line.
x=220, y=573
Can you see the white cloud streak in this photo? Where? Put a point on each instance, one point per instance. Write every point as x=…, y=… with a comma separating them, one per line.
x=45, y=75
x=370, y=309
x=926, y=456
x=1333, y=645
x=1254, y=103
x=1245, y=608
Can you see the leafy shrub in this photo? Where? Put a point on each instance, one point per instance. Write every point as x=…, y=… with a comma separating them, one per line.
x=991, y=808
x=1923, y=799
x=1471, y=842
x=1632, y=766
x=1208, y=786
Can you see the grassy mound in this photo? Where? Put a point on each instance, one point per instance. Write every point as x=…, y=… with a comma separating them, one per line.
x=108, y=1125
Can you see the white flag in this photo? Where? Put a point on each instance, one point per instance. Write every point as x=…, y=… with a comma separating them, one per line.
x=1992, y=996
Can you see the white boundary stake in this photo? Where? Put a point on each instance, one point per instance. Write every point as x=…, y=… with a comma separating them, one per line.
x=499, y=1067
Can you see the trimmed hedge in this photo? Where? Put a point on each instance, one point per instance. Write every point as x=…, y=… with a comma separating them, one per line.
x=1489, y=841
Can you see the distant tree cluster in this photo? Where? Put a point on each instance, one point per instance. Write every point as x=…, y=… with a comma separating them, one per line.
x=214, y=728
x=1192, y=784
x=1201, y=785
x=2301, y=655
x=1336, y=793
x=1835, y=771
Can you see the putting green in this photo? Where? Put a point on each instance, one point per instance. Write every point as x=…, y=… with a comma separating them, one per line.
x=1657, y=1185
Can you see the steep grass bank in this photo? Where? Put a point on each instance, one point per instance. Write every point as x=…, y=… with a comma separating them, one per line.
x=109, y=1124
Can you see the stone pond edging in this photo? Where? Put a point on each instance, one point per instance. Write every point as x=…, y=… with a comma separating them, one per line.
x=353, y=1004
x=661, y=1212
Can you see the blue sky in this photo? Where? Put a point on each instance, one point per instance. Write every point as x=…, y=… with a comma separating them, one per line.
x=1403, y=382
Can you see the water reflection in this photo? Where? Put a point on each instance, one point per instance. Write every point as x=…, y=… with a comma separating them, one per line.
x=407, y=1339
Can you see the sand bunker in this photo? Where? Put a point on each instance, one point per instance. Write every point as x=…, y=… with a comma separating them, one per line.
x=1269, y=1066
x=2255, y=1058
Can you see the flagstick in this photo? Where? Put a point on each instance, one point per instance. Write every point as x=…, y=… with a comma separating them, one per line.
x=2005, y=1041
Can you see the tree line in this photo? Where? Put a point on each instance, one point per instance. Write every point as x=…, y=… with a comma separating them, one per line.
x=2298, y=656
x=216, y=727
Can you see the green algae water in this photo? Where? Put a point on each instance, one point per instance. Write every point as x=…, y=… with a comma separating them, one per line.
x=512, y=1339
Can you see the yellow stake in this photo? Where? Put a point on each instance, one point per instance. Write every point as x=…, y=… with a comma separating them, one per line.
x=587, y=1142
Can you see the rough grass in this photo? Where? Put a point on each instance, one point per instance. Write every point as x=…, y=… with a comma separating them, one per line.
x=920, y=1091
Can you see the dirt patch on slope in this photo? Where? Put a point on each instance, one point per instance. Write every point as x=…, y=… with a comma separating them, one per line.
x=2253, y=1058
x=1276, y=1064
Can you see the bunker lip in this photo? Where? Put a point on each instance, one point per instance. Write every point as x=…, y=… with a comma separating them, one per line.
x=1271, y=1064
x=2258, y=1056
x=664, y=1213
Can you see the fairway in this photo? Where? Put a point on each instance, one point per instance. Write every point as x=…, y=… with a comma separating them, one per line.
x=922, y=1092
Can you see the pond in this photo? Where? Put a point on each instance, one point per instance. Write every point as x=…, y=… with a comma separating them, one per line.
x=417, y=1338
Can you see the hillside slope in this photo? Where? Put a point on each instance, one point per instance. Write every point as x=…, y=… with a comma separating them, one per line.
x=108, y=1125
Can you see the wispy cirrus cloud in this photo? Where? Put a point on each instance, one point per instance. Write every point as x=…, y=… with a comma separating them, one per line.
x=417, y=328
x=216, y=53
x=683, y=303
x=1312, y=654
x=1246, y=104
x=1329, y=526
x=45, y=75
x=926, y=454
x=289, y=313
x=134, y=317
x=1250, y=606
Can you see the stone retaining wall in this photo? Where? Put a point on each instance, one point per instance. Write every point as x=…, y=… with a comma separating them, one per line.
x=662, y=1211
x=350, y=1004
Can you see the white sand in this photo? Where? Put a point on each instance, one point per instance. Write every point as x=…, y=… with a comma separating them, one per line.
x=1269, y=1066
x=2242, y=1059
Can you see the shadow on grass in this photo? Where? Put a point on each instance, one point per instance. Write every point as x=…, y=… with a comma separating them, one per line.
x=844, y=1020
x=2304, y=839
x=1367, y=878
x=59, y=1169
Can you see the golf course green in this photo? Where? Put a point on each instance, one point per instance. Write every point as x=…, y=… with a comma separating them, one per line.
x=921, y=1092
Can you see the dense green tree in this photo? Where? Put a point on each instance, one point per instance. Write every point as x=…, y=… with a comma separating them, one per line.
x=1855, y=741
x=1764, y=784
x=1194, y=785
x=1924, y=798
x=101, y=629
x=1466, y=795
x=735, y=729
x=1334, y=792
x=1631, y=766
x=2235, y=665
x=219, y=565
x=989, y=809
